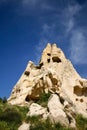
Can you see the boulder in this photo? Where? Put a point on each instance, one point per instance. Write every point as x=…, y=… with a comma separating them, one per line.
x=56, y=112
x=37, y=110
x=24, y=126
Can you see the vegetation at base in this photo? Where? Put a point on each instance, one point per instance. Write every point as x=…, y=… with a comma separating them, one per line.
x=3, y=100
x=11, y=117
x=81, y=122
x=43, y=100
x=33, y=119
x=47, y=125
x=38, y=124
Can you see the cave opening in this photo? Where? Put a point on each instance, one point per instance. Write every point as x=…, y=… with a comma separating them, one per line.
x=56, y=59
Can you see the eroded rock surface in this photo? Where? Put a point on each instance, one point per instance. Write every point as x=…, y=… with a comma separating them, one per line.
x=37, y=110
x=24, y=126
x=56, y=111
x=56, y=75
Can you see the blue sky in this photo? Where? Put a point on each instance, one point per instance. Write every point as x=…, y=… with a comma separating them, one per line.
x=26, y=26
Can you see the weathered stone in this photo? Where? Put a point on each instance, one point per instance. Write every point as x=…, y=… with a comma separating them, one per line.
x=54, y=74
x=37, y=110
x=24, y=126
x=56, y=112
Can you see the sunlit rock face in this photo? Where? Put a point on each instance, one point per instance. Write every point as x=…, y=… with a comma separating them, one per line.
x=55, y=75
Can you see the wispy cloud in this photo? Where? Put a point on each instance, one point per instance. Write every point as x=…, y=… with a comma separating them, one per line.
x=76, y=35
x=61, y=24
x=35, y=6
x=69, y=14
x=78, y=47
x=30, y=3
x=48, y=30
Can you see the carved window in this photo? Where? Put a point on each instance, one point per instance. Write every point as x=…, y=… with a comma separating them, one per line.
x=27, y=73
x=27, y=98
x=48, y=60
x=48, y=54
x=56, y=59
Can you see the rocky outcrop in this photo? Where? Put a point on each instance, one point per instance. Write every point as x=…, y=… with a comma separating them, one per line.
x=55, y=75
x=37, y=110
x=24, y=126
x=56, y=112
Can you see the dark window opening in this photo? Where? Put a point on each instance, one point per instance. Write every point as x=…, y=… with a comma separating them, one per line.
x=85, y=91
x=39, y=66
x=27, y=98
x=81, y=83
x=48, y=54
x=41, y=78
x=56, y=59
x=27, y=73
x=48, y=60
x=81, y=100
x=80, y=91
x=77, y=90
x=76, y=99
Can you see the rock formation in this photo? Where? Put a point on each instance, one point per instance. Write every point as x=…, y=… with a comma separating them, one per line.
x=55, y=75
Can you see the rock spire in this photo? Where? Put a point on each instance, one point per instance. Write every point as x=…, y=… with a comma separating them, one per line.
x=56, y=75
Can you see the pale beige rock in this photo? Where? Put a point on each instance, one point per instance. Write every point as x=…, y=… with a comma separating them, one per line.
x=37, y=110
x=24, y=126
x=56, y=112
x=54, y=74
x=46, y=55
x=70, y=112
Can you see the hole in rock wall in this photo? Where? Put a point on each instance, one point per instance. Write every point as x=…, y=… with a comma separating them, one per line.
x=85, y=91
x=27, y=73
x=78, y=90
x=54, y=80
x=56, y=59
x=81, y=83
x=61, y=99
x=81, y=100
x=69, y=118
x=76, y=99
x=48, y=54
x=39, y=66
x=48, y=60
x=27, y=98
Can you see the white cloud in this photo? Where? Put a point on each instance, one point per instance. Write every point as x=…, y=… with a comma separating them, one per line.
x=68, y=17
x=48, y=30
x=76, y=35
x=73, y=9
x=78, y=47
x=45, y=28
x=70, y=25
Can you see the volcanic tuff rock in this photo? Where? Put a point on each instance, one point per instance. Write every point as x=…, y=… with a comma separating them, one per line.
x=56, y=75
x=24, y=126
